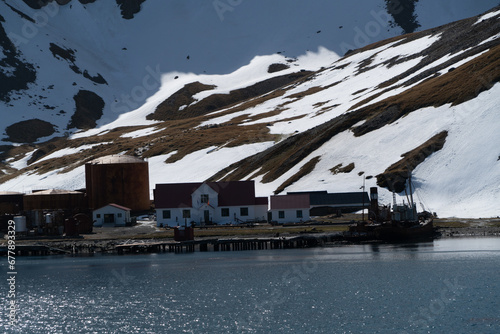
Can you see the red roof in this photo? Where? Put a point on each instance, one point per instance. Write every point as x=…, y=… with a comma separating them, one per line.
x=174, y=195
x=261, y=201
x=231, y=193
x=296, y=201
x=124, y=208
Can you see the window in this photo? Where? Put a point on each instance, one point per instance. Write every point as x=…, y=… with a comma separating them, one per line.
x=119, y=215
x=299, y=214
x=166, y=214
x=204, y=198
x=224, y=212
x=243, y=212
x=281, y=214
x=186, y=213
x=98, y=215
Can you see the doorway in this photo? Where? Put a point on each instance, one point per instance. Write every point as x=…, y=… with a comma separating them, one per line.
x=109, y=218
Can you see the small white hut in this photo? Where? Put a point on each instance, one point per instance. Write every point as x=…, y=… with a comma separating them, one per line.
x=111, y=215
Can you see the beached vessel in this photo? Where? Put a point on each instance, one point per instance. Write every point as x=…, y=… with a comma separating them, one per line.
x=401, y=223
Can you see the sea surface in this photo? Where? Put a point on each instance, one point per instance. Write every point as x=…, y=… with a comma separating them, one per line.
x=445, y=286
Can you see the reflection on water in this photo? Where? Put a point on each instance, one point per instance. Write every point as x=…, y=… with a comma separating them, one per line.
x=444, y=286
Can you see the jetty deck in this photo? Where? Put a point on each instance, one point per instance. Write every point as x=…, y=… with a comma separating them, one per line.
x=170, y=246
x=34, y=250
x=232, y=244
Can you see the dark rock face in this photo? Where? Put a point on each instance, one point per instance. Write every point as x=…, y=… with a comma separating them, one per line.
x=22, y=74
x=69, y=55
x=403, y=12
x=41, y=152
x=395, y=177
x=129, y=7
x=89, y=107
x=59, y=52
x=184, y=96
x=38, y=4
x=29, y=131
x=277, y=67
x=98, y=79
x=169, y=109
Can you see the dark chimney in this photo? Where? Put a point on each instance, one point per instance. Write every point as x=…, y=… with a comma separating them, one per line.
x=374, y=211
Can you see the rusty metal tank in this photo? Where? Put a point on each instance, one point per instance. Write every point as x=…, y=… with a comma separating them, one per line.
x=119, y=179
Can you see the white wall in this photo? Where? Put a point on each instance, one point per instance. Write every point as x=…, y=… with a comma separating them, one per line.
x=290, y=216
x=206, y=190
x=261, y=212
x=197, y=215
x=116, y=212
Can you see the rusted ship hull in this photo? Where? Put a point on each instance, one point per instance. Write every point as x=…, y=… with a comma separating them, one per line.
x=391, y=232
x=399, y=231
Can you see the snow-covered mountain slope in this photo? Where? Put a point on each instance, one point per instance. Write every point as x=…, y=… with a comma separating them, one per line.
x=423, y=102
x=81, y=63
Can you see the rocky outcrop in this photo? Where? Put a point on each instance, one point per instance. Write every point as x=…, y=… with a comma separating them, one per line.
x=29, y=131
x=69, y=55
x=21, y=73
x=169, y=110
x=38, y=4
x=128, y=7
x=395, y=177
x=403, y=12
x=88, y=109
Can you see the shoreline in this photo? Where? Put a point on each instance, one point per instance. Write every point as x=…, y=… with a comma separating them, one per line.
x=109, y=240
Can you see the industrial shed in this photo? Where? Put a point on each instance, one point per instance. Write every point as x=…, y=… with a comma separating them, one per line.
x=120, y=179
x=324, y=203
x=55, y=199
x=11, y=202
x=46, y=210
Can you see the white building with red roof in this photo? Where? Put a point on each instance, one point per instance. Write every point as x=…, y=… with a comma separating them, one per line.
x=233, y=202
x=111, y=215
x=297, y=207
x=289, y=208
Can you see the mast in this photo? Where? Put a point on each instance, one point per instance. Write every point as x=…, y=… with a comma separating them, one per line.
x=412, y=206
x=411, y=191
x=363, y=206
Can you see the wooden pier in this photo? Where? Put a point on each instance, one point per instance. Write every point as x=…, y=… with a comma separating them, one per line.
x=33, y=250
x=170, y=246
x=224, y=245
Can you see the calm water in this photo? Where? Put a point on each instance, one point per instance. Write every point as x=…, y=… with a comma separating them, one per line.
x=449, y=286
